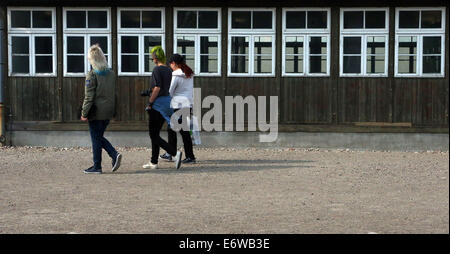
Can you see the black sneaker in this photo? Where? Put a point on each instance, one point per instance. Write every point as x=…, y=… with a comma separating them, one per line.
x=166, y=157
x=188, y=160
x=93, y=170
x=116, y=162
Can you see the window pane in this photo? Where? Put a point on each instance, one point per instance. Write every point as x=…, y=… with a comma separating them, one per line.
x=263, y=45
x=318, y=64
x=241, y=19
x=376, y=45
x=353, y=19
x=296, y=19
x=20, y=19
x=431, y=19
x=44, y=64
x=75, y=63
x=352, y=45
x=130, y=44
x=42, y=19
x=209, y=45
x=407, y=64
x=209, y=64
x=20, y=64
x=432, y=45
x=294, y=45
x=151, y=19
x=262, y=19
x=150, y=42
x=318, y=45
x=352, y=64
x=263, y=64
x=97, y=19
x=102, y=41
x=20, y=45
x=317, y=19
x=375, y=64
x=207, y=19
x=186, y=45
x=239, y=64
x=375, y=19
x=43, y=45
x=76, y=19
x=407, y=45
x=130, y=19
x=431, y=64
x=408, y=19
x=75, y=45
x=294, y=64
x=239, y=45
x=148, y=64
x=187, y=19
x=130, y=63
x=190, y=61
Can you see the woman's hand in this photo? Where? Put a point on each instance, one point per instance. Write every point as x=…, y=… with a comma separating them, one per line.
x=84, y=119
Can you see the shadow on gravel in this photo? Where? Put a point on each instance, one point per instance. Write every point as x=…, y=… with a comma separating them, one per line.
x=211, y=166
x=252, y=161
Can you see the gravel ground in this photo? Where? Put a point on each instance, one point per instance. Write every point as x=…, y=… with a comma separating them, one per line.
x=241, y=190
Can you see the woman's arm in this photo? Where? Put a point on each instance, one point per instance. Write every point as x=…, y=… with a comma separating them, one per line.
x=89, y=91
x=155, y=93
x=173, y=85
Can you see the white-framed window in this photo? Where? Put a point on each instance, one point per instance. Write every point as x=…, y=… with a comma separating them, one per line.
x=364, y=42
x=197, y=37
x=84, y=27
x=251, y=42
x=420, y=42
x=31, y=41
x=306, y=42
x=139, y=30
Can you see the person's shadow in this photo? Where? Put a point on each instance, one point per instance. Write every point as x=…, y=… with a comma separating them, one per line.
x=210, y=166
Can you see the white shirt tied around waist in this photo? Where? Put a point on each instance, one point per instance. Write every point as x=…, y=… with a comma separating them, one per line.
x=181, y=90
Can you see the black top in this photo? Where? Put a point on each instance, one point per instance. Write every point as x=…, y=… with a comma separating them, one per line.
x=161, y=77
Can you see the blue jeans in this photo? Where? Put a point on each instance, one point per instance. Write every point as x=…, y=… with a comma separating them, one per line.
x=97, y=129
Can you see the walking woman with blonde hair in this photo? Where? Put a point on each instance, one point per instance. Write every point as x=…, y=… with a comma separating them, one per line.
x=99, y=107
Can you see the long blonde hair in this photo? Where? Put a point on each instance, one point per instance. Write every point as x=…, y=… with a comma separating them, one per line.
x=96, y=58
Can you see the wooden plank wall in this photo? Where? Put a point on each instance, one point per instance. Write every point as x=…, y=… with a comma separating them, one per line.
x=328, y=101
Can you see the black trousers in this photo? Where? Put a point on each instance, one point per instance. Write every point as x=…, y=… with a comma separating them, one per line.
x=185, y=135
x=155, y=123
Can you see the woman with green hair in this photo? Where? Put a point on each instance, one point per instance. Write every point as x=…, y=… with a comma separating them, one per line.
x=159, y=109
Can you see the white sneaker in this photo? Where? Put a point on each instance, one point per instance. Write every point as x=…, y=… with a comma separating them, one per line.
x=150, y=165
x=177, y=159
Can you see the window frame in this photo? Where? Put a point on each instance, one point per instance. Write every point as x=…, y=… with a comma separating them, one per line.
x=31, y=33
x=87, y=29
x=197, y=30
x=420, y=33
x=251, y=33
x=198, y=54
x=121, y=30
x=87, y=33
x=197, y=33
x=251, y=56
x=251, y=30
x=364, y=30
x=87, y=37
x=306, y=33
x=419, y=64
x=31, y=29
x=141, y=54
x=140, y=33
x=363, y=33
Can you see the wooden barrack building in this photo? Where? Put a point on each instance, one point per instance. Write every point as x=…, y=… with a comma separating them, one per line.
x=336, y=66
